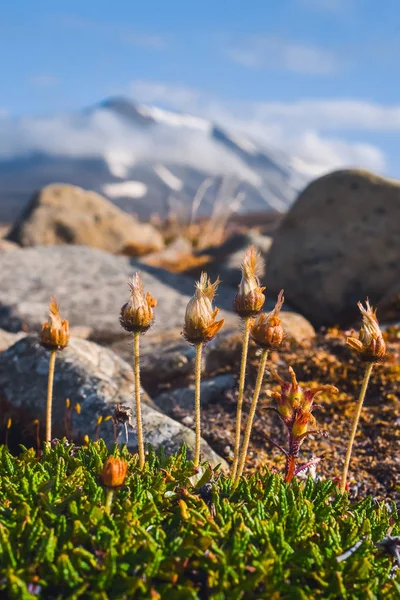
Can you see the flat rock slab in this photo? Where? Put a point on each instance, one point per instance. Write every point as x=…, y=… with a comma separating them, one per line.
x=92, y=376
x=338, y=244
x=90, y=286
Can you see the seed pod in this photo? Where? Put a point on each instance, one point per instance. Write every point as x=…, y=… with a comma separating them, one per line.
x=250, y=299
x=266, y=330
x=370, y=343
x=55, y=332
x=200, y=317
x=137, y=314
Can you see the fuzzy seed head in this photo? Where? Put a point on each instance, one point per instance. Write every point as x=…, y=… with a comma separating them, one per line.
x=55, y=331
x=250, y=299
x=370, y=343
x=267, y=330
x=200, y=317
x=137, y=314
x=114, y=472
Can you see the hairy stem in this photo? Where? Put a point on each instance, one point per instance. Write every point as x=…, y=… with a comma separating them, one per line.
x=199, y=348
x=245, y=348
x=109, y=500
x=50, y=380
x=136, y=368
x=246, y=440
x=363, y=390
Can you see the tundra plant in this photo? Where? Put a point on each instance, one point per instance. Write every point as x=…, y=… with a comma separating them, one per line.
x=54, y=336
x=267, y=332
x=200, y=327
x=137, y=317
x=371, y=348
x=294, y=408
x=248, y=303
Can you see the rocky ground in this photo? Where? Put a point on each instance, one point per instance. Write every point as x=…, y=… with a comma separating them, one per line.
x=375, y=465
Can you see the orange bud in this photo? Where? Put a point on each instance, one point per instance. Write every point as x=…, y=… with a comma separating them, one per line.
x=137, y=314
x=114, y=472
x=55, y=332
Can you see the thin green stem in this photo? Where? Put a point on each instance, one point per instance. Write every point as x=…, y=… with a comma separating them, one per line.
x=136, y=369
x=363, y=390
x=199, y=348
x=50, y=380
x=245, y=348
x=109, y=500
x=246, y=440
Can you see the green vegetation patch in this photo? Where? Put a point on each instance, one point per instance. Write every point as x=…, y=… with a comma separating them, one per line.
x=168, y=538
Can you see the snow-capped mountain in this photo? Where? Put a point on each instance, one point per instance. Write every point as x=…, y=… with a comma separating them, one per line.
x=146, y=159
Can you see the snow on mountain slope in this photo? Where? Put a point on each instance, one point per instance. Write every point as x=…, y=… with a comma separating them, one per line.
x=144, y=158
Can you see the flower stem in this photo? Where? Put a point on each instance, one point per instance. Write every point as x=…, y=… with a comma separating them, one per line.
x=364, y=386
x=260, y=376
x=136, y=368
x=199, y=348
x=245, y=348
x=50, y=380
x=109, y=499
x=126, y=434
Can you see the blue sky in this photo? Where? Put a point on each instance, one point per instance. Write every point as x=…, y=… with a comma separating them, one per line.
x=315, y=77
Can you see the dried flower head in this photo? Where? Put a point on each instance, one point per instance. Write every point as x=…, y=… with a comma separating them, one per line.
x=123, y=414
x=370, y=343
x=200, y=317
x=295, y=405
x=137, y=314
x=266, y=330
x=55, y=332
x=250, y=299
x=114, y=472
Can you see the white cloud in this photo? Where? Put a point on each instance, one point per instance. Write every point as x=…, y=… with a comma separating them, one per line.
x=330, y=115
x=44, y=80
x=272, y=52
x=320, y=134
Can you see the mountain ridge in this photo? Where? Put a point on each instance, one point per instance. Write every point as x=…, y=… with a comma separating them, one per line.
x=147, y=160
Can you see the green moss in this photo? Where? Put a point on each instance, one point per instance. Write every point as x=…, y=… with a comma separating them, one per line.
x=264, y=540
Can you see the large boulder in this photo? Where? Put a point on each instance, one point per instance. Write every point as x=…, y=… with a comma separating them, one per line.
x=67, y=214
x=90, y=286
x=87, y=374
x=338, y=244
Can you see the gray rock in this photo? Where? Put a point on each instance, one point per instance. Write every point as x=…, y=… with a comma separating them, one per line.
x=212, y=390
x=90, y=286
x=7, y=339
x=165, y=356
x=227, y=258
x=389, y=306
x=67, y=214
x=92, y=376
x=338, y=244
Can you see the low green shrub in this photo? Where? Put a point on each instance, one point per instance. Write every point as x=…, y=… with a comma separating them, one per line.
x=168, y=538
